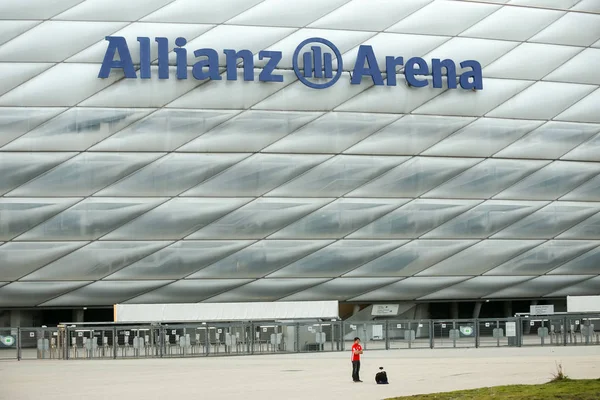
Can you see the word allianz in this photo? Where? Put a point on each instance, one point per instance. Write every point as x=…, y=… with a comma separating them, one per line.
x=207, y=66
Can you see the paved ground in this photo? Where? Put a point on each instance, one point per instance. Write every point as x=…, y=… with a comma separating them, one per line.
x=302, y=376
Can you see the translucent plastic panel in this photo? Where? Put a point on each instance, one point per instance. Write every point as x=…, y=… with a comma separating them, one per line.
x=284, y=13
x=31, y=294
x=34, y=9
x=332, y=133
x=12, y=29
x=524, y=22
x=543, y=258
x=91, y=218
x=20, y=215
x=179, y=260
x=589, y=287
x=19, y=168
x=96, y=52
x=259, y=218
x=14, y=122
x=188, y=291
x=476, y=287
x=481, y=257
x=552, y=181
x=474, y=103
x=550, y=141
x=559, y=4
x=265, y=290
x=338, y=219
x=411, y=258
x=85, y=174
x=187, y=11
x=77, y=129
x=95, y=261
x=485, y=219
x=164, y=130
x=577, y=29
x=550, y=221
x=172, y=174
x=367, y=14
x=444, y=18
x=414, y=219
x=56, y=40
x=337, y=176
x=460, y=48
x=14, y=74
x=491, y=135
x=540, y=286
x=257, y=175
x=409, y=135
x=239, y=94
x=486, y=178
x=588, y=151
x=577, y=69
x=260, y=259
x=19, y=259
x=542, y=100
x=298, y=96
x=409, y=289
x=177, y=218
x=588, y=229
x=588, y=263
x=400, y=99
x=340, y=289
x=587, y=5
x=522, y=62
x=415, y=177
x=251, y=131
x=65, y=84
x=586, y=110
x=104, y=10
x=337, y=259
x=103, y=292
x=144, y=92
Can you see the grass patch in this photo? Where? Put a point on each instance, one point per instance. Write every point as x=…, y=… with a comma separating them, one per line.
x=559, y=389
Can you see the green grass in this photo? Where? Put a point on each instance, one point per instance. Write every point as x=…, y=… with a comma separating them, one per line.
x=560, y=389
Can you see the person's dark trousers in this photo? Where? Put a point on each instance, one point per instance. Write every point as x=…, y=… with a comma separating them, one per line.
x=355, y=371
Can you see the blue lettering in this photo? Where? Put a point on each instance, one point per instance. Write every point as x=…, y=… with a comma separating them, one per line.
x=211, y=62
x=471, y=79
x=436, y=70
x=117, y=43
x=163, y=57
x=144, y=57
x=248, y=60
x=317, y=64
x=266, y=75
x=410, y=71
x=181, y=58
x=366, y=54
x=390, y=69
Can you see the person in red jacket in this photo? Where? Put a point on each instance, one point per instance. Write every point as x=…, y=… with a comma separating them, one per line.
x=357, y=350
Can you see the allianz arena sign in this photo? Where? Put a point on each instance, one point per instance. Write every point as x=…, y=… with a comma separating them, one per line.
x=315, y=55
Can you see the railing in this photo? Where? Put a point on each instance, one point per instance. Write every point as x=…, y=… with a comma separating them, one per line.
x=95, y=341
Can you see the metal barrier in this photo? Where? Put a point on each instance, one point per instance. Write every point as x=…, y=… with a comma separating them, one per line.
x=95, y=341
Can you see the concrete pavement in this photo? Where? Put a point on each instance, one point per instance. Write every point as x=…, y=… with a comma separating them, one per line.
x=292, y=376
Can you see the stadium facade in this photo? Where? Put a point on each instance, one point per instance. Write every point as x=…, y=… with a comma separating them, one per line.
x=161, y=151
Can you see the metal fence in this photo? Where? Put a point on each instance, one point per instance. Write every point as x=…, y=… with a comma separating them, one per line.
x=93, y=341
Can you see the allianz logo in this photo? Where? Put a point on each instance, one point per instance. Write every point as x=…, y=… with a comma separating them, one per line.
x=312, y=61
